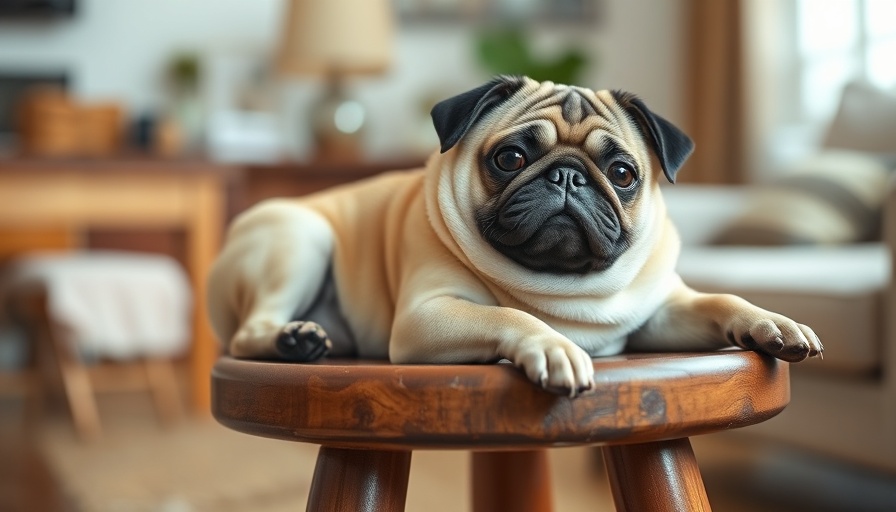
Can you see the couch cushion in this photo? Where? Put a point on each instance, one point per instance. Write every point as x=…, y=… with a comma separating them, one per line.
x=833, y=197
x=834, y=290
x=845, y=270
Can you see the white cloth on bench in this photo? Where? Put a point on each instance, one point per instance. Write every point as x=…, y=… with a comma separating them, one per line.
x=117, y=305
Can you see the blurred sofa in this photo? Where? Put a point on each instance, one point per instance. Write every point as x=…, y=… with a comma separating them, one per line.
x=844, y=405
x=818, y=247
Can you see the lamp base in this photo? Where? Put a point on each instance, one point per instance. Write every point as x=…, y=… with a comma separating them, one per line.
x=338, y=124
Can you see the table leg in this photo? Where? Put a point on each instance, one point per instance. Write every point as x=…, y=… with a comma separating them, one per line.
x=203, y=243
x=654, y=477
x=515, y=480
x=359, y=481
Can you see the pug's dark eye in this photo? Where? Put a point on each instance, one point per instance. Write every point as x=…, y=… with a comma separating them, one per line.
x=621, y=175
x=510, y=160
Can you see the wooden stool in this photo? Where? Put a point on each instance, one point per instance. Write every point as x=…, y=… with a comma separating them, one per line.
x=54, y=358
x=85, y=306
x=369, y=416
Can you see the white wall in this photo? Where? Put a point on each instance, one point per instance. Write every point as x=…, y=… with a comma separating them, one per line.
x=116, y=49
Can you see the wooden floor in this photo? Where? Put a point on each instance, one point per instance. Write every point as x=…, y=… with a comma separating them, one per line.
x=47, y=470
x=26, y=481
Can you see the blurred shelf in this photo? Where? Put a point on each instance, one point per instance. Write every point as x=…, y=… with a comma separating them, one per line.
x=290, y=179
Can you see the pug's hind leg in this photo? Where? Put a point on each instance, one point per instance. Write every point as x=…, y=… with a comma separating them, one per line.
x=303, y=342
x=273, y=265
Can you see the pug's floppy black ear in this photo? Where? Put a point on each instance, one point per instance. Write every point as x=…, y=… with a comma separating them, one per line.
x=453, y=117
x=671, y=145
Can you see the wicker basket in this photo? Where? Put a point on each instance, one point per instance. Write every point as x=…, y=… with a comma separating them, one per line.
x=52, y=124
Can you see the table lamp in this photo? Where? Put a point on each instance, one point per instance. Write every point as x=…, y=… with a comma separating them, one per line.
x=335, y=40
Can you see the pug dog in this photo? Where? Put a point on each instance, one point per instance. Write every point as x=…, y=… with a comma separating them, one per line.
x=536, y=234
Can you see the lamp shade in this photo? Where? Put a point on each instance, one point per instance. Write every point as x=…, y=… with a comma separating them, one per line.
x=345, y=37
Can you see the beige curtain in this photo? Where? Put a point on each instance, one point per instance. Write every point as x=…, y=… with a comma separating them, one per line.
x=715, y=92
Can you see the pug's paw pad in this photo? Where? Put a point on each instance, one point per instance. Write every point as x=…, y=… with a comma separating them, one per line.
x=775, y=335
x=303, y=342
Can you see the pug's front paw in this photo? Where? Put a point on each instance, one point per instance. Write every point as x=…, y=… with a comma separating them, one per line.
x=555, y=363
x=773, y=334
x=303, y=341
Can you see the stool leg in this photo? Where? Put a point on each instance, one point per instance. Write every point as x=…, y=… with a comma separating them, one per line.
x=164, y=387
x=359, y=481
x=38, y=387
x=518, y=481
x=655, y=477
x=81, y=400
x=75, y=383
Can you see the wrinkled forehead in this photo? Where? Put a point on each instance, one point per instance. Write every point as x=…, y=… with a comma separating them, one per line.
x=566, y=115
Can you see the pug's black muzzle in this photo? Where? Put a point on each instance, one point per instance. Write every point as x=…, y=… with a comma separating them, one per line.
x=559, y=221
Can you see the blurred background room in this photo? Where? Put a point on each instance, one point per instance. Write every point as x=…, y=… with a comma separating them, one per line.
x=133, y=131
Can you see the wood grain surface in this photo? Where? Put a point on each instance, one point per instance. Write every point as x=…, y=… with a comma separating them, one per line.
x=364, y=404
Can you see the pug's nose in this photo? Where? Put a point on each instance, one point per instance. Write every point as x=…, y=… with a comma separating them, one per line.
x=566, y=177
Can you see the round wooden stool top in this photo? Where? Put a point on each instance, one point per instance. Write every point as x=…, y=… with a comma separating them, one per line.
x=363, y=404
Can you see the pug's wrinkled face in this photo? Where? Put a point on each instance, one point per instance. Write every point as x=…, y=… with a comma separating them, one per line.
x=563, y=184
x=564, y=169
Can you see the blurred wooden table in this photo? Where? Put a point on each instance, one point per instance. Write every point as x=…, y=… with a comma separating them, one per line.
x=53, y=203
x=61, y=203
